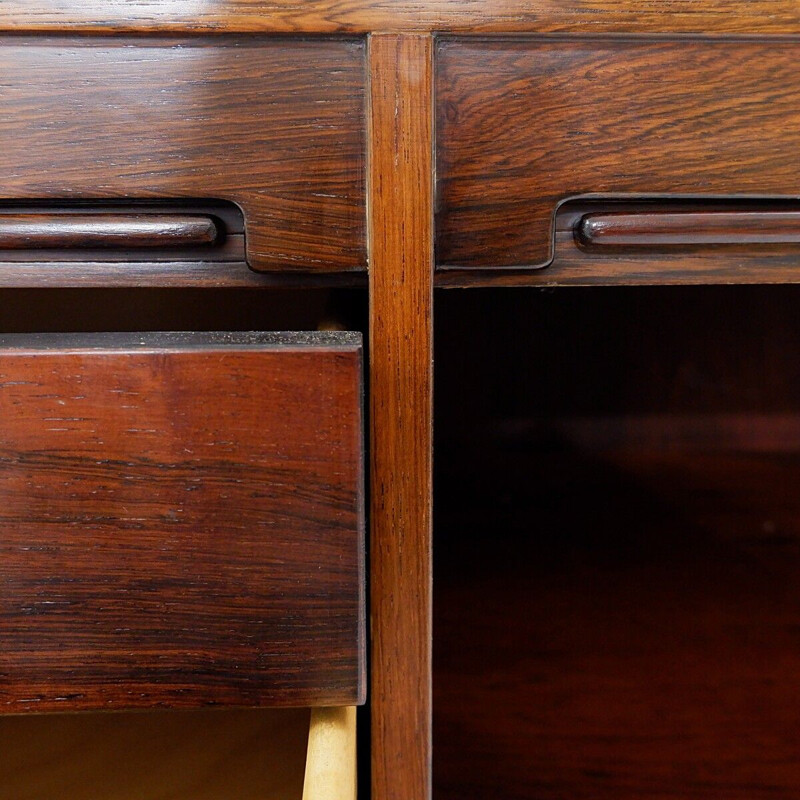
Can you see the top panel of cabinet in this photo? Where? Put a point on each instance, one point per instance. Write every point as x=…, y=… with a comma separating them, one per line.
x=365, y=16
x=274, y=125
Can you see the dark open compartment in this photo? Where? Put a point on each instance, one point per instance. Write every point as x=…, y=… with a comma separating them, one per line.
x=617, y=544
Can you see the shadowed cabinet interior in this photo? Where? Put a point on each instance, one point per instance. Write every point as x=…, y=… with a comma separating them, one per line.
x=616, y=605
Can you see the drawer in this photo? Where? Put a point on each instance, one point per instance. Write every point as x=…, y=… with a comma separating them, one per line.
x=524, y=124
x=181, y=520
x=274, y=126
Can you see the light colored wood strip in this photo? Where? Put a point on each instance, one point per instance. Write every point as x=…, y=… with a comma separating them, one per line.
x=331, y=759
x=401, y=315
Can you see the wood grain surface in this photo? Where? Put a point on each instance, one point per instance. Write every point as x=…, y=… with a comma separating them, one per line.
x=523, y=124
x=203, y=754
x=273, y=125
x=180, y=520
x=217, y=273
x=221, y=263
x=27, y=231
x=331, y=760
x=688, y=228
x=741, y=259
x=401, y=342
x=364, y=16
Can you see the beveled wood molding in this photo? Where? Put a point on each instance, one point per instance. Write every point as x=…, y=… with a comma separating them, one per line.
x=687, y=228
x=272, y=125
x=364, y=16
x=26, y=231
x=575, y=263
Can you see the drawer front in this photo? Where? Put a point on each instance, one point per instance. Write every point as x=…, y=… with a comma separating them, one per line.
x=273, y=125
x=181, y=520
x=524, y=124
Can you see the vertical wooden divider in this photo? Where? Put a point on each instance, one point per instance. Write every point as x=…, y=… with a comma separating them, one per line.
x=401, y=348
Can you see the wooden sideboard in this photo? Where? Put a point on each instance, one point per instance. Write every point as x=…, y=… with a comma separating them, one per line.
x=239, y=165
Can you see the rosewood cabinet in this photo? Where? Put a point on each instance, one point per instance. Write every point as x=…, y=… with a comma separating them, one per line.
x=205, y=208
x=615, y=518
x=526, y=124
x=182, y=512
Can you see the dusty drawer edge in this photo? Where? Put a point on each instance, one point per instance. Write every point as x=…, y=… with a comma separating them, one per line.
x=178, y=340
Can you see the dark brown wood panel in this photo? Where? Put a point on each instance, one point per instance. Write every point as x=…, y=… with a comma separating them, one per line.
x=206, y=273
x=274, y=125
x=523, y=124
x=401, y=411
x=180, y=520
x=636, y=637
x=363, y=16
x=738, y=259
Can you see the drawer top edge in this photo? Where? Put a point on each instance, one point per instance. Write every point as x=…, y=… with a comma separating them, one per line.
x=178, y=340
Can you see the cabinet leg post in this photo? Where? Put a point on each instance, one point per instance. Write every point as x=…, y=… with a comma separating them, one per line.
x=401, y=340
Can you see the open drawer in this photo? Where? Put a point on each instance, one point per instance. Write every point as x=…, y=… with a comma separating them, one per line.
x=181, y=521
x=211, y=754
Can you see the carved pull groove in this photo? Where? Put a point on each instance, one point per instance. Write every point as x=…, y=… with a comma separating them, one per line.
x=685, y=228
x=52, y=231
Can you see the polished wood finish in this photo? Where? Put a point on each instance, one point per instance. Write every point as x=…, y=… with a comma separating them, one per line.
x=687, y=228
x=204, y=274
x=273, y=125
x=363, y=16
x=524, y=124
x=401, y=312
x=217, y=273
x=203, y=754
x=180, y=520
x=26, y=231
x=575, y=264
x=217, y=264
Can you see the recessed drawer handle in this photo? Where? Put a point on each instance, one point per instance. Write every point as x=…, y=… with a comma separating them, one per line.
x=45, y=231
x=619, y=229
